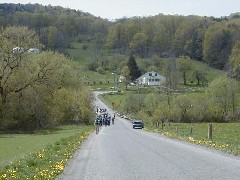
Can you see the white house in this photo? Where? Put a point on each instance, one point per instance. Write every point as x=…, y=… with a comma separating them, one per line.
x=33, y=50
x=17, y=50
x=151, y=78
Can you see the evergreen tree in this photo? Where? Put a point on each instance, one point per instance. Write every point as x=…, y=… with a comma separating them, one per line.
x=133, y=68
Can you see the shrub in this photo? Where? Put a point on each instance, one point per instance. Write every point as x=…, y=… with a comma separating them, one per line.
x=85, y=47
x=100, y=70
x=92, y=66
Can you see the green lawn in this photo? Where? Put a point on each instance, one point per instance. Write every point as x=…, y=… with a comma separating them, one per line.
x=14, y=146
x=40, y=156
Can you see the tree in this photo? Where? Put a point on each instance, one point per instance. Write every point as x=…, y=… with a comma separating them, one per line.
x=116, y=37
x=30, y=84
x=200, y=77
x=221, y=94
x=134, y=103
x=125, y=72
x=133, y=68
x=92, y=65
x=217, y=46
x=182, y=34
x=170, y=72
x=15, y=41
x=184, y=65
x=50, y=72
x=234, y=60
x=51, y=37
x=68, y=106
x=139, y=42
x=183, y=105
x=160, y=39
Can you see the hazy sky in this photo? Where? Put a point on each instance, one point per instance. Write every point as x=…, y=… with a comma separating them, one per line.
x=114, y=9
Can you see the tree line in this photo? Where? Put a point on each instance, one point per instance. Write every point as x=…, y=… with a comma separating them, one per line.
x=206, y=39
x=38, y=90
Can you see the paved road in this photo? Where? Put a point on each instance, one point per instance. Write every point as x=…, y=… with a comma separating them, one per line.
x=121, y=153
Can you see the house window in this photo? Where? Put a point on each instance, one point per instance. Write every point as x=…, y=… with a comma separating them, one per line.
x=150, y=74
x=157, y=80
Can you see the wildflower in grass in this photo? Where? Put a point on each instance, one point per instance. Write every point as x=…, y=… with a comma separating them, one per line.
x=59, y=166
x=40, y=155
x=191, y=139
x=13, y=173
x=3, y=176
x=86, y=133
x=44, y=174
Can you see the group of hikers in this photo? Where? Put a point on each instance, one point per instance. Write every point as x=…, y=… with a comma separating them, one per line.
x=103, y=118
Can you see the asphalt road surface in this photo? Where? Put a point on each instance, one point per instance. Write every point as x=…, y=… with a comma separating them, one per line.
x=120, y=152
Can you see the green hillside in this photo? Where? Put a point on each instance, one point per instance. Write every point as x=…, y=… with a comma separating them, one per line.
x=82, y=54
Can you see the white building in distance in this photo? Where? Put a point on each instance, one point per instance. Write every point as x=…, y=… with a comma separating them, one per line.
x=151, y=78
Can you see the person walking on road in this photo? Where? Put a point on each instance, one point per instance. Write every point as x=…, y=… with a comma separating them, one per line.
x=97, y=124
x=113, y=118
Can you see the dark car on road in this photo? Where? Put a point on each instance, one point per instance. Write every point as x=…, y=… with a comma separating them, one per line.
x=138, y=124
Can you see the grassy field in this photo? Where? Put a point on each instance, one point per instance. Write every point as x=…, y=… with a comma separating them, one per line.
x=15, y=146
x=79, y=54
x=40, y=156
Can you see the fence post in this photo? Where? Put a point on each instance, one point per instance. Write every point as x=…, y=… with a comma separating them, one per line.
x=177, y=128
x=191, y=129
x=210, y=131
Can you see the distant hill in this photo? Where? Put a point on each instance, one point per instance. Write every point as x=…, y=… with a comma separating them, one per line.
x=55, y=25
x=8, y=8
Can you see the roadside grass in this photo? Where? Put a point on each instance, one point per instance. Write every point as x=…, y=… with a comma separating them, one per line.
x=39, y=156
x=115, y=101
x=226, y=136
